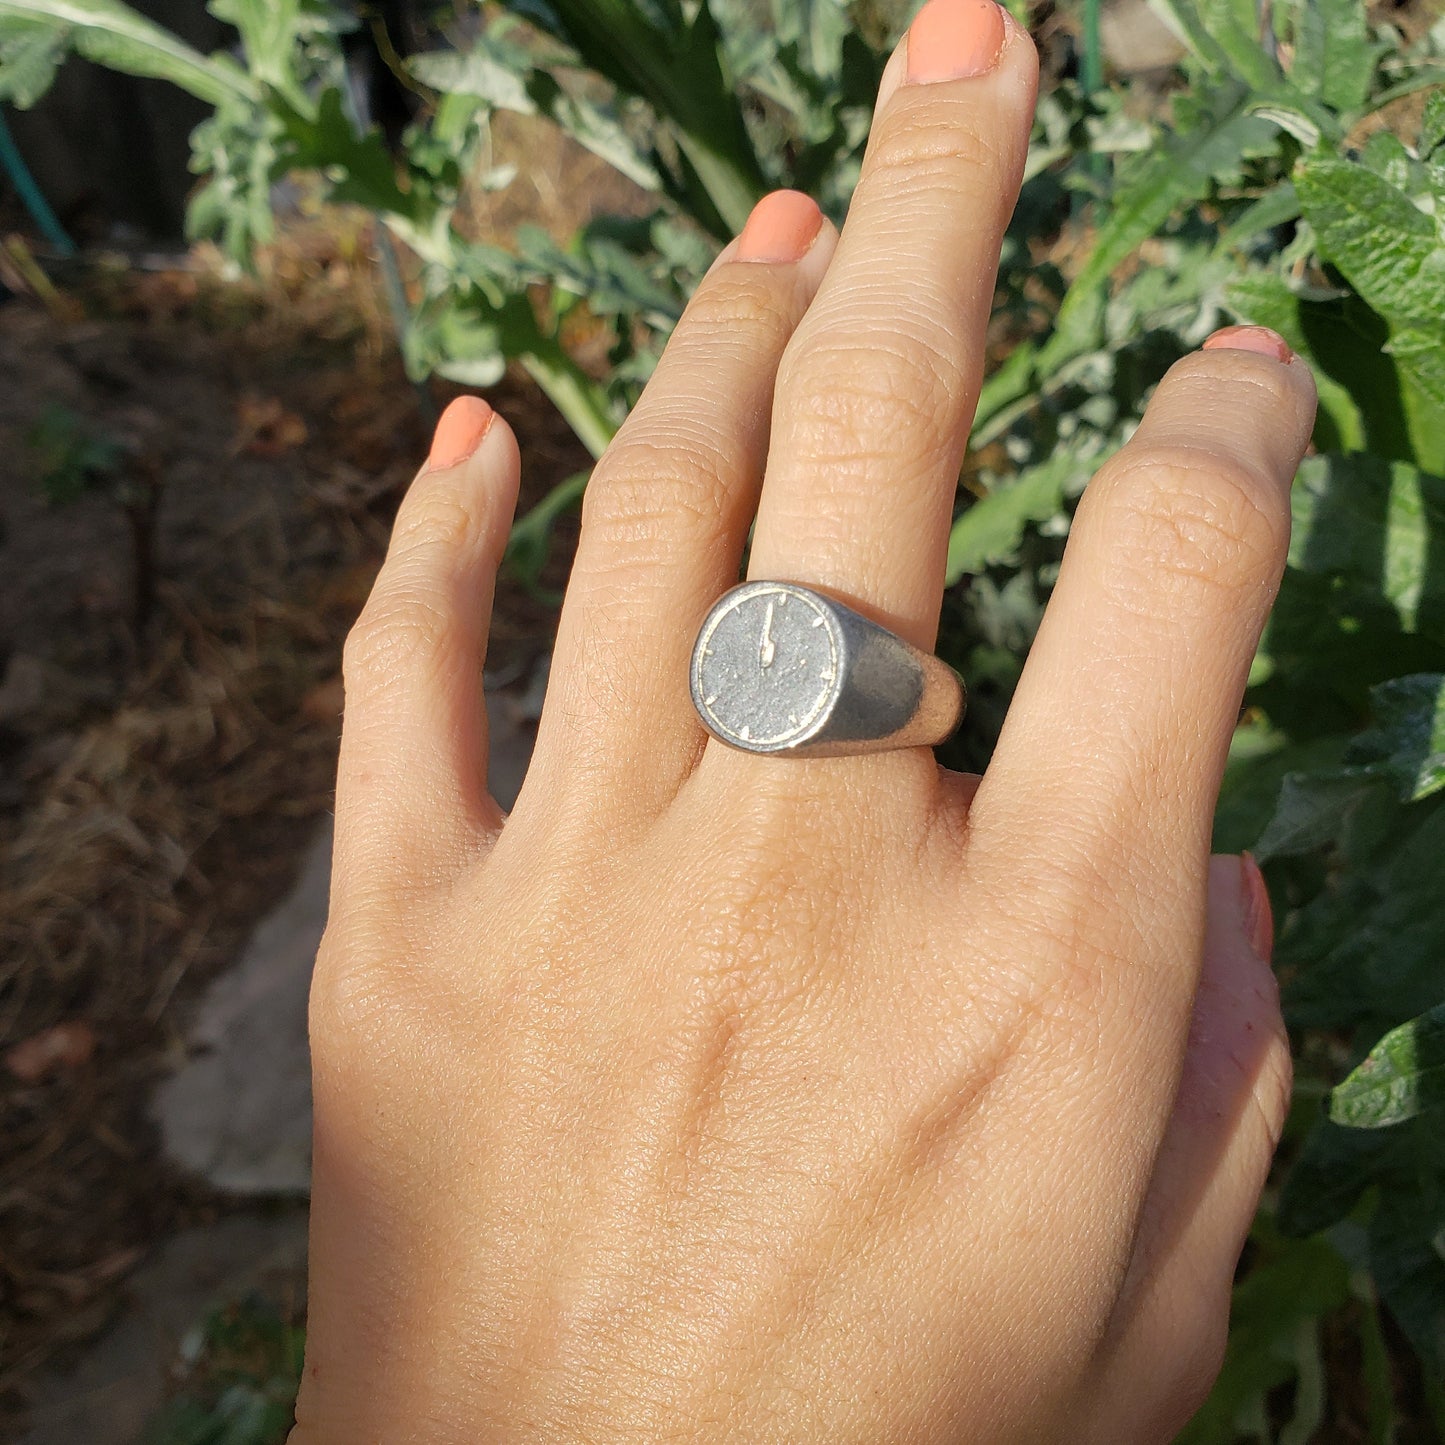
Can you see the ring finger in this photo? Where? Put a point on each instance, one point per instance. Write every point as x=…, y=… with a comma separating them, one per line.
x=877, y=389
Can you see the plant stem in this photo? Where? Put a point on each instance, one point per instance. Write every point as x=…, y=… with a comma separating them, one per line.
x=581, y=401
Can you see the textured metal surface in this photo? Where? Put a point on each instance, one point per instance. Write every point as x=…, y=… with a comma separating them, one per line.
x=781, y=668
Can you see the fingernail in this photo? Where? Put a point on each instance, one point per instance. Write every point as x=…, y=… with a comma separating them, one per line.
x=951, y=39
x=1258, y=915
x=1251, y=338
x=459, y=432
x=782, y=227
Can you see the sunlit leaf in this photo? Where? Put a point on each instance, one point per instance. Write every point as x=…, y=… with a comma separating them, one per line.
x=1402, y=1076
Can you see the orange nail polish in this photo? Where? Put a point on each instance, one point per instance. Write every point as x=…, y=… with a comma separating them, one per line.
x=459, y=432
x=782, y=227
x=1258, y=915
x=951, y=39
x=1251, y=338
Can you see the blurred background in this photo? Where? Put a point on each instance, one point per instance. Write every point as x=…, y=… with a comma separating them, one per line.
x=249, y=249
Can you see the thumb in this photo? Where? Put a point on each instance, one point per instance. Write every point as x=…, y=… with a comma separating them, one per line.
x=1234, y=1092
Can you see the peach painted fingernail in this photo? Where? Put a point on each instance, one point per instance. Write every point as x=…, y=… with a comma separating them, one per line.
x=1258, y=915
x=1251, y=338
x=782, y=227
x=459, y=432
x=951, y=39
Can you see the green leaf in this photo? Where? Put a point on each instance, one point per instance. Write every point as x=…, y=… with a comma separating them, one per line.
x=1402, y=1076
x=1310, y=811
x=990, y=530
x=113, y=34
x=1381, y=524
x=1334, y=57
x=1181, y=170
x=1432, y=125
x=1224, y=35
x=29, y=57
x=1407, y=743
x=531, y=537
x=1388, y=248
x=674, y=61
x=359, y=167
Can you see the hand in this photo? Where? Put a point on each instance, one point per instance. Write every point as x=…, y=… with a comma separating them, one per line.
x=714, y=1097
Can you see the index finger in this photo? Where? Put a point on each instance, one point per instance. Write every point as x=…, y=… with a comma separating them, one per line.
x=1104, y=782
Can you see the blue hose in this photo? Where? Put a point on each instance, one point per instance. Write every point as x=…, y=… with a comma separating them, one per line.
x=30, y=193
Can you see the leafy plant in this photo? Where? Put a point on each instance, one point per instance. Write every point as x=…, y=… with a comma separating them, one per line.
x=243, y=1368
x=1274, y=183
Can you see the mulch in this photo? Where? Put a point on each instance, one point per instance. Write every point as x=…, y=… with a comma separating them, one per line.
x=156, y=790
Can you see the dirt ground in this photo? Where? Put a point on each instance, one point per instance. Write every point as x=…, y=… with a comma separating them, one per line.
x=155, y=789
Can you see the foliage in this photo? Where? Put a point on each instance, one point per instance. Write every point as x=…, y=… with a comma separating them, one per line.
x=1275, y=185
x=243, y=1368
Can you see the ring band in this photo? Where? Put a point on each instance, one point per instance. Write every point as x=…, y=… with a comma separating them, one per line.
x=781, y=668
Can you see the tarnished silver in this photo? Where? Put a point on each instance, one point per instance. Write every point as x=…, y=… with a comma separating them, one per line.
x=782, y=668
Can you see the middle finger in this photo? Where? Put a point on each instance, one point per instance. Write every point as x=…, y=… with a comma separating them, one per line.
x=877, y=389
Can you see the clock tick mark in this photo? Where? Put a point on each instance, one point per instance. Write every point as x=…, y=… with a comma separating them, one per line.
x=817, y=622
x=745, y=732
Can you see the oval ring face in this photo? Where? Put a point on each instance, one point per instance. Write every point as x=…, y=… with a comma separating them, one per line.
x=765, y=666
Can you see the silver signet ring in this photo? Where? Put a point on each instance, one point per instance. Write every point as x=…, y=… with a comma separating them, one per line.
x=781, y=668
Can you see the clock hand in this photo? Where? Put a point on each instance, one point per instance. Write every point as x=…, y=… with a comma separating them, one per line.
x=768, y=646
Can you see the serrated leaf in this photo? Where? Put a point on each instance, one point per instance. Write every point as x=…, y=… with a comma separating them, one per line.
x=113, y=34
x=359, y=167
x=1183, y=169
x=1387, y=247
x=1401, y=1077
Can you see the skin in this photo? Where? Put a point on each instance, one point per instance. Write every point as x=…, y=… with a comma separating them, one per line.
x=712, y=1097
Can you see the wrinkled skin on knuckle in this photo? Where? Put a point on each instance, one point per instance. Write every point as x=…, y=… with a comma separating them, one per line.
x=741, y=310
x=1207, y=530
x=361, y=1010
x=654, y=494
x=438, y=514
x=863, y=406
x=927, y=141
x=398, y=625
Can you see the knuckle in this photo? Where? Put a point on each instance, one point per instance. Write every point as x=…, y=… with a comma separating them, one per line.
x=436, y=513
x=877, y=391
x=1195, y=520
x=919, y=146
x=739, y=307
x=396, y=627
x=650, y=491
x=352, y=1006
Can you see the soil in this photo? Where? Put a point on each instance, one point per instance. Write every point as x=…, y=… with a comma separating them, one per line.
x=157, y=785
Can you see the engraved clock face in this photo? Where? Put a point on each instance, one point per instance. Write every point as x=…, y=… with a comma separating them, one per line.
x=765, y=666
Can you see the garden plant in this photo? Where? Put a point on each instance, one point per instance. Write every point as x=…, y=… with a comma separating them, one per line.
x=1290, y=172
